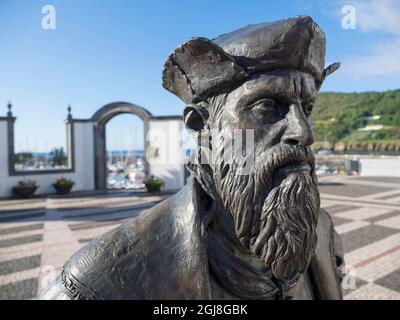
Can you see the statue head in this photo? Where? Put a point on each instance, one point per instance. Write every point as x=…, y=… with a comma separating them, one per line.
x=249, y=95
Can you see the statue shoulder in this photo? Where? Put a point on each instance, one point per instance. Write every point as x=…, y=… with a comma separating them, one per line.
x=326, y=265
x=326, y=228
x=114, y=265
x=131, y=261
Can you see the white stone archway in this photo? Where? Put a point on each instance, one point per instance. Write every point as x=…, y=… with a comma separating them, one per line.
x=99, y=120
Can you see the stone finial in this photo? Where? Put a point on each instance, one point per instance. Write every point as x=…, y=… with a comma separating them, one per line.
x=69, y=117
x=9, y=106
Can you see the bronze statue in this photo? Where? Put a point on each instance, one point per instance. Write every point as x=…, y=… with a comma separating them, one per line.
x=230, y=234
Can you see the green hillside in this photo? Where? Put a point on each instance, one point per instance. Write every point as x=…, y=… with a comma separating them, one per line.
x=337, y=118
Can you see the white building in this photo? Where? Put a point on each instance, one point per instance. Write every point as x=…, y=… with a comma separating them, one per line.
x=87, y=154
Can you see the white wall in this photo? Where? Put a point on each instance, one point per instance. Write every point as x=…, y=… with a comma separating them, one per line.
x=84, y=166
x=84, y=155
x=168, y=137
x=380, y=167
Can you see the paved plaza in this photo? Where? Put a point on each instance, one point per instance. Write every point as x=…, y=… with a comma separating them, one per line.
x=38, y=235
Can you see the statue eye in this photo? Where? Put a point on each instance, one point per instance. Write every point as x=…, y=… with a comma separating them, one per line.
x=264, y=106
x=308, y=109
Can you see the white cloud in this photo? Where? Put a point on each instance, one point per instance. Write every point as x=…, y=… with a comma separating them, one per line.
x=377, y=15
x=384, y=60
x=380, y=59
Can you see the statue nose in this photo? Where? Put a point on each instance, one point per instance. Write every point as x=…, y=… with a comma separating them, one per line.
x=298, y=130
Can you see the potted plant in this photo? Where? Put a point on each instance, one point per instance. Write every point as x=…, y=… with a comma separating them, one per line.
x=24, y=189
x=63, y=185
x=153, y=185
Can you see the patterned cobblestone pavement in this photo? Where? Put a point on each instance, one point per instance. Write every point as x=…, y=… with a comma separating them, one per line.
x=366, y=212
x=37, y=236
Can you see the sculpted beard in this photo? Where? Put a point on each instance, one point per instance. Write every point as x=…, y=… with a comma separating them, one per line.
x=277, y=223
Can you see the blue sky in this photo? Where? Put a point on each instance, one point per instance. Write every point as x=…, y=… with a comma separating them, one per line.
x=105, y=51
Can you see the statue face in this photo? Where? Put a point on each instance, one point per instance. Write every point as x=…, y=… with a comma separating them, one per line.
x=275, y=203
x=276, y=106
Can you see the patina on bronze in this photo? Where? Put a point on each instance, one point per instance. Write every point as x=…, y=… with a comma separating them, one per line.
x=259, y=235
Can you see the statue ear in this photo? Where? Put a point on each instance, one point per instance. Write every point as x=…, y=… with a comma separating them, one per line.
x=195, y=117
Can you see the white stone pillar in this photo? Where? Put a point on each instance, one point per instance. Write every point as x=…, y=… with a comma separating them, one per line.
x=165, y=152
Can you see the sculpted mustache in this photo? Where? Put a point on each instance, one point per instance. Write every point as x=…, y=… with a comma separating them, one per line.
x=261, y=173
x=281, y=155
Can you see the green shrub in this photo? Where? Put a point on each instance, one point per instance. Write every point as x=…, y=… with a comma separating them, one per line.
x=63, y=185
x=64, y=182
x=26, y=184
x=24, y=189
x=153, y=185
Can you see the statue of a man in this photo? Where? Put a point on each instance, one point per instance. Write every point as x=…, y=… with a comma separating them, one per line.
x=244, y=226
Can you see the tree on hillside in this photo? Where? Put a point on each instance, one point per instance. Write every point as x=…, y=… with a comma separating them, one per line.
x=58, y=157
x=22, y=157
